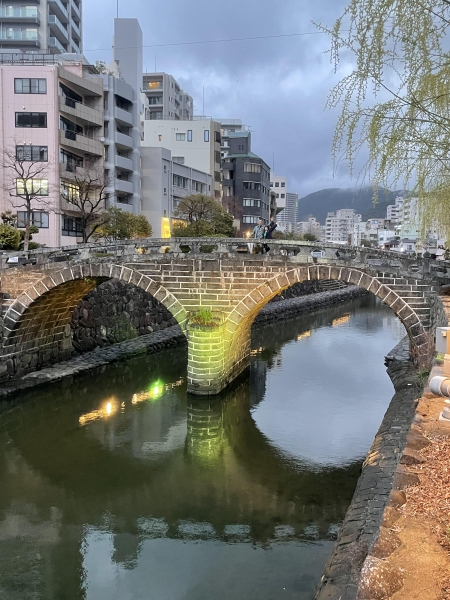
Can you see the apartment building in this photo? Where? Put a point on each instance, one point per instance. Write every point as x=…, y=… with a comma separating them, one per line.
x=194, y=143
x=227, y=127
x=166, y=99
x=290, y=212
x=164, y=183
x=45, y=26
x=122, y=118
x=246, y=183
x=339, y=226
x=278, y=184
x=53, y=114
x=311, y=225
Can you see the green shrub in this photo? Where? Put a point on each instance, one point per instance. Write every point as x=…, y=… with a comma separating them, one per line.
x=205, y=318
x=9, y=237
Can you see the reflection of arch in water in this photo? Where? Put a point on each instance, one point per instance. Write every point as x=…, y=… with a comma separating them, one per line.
x=246, y=481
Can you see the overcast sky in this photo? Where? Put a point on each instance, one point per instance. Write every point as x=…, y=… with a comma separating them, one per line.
x=277, y=86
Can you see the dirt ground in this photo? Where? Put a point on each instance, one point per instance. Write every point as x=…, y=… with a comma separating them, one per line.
x=423, y=527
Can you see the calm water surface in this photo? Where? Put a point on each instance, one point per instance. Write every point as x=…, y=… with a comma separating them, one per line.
x=118, y=486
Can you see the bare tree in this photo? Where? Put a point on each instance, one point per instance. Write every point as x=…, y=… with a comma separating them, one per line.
x=26, y=181
x=88, y=192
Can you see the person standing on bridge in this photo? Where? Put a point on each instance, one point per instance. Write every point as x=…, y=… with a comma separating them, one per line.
x=258, y=234
x=270, y=229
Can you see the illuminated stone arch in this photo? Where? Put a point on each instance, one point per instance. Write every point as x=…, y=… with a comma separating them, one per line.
x=243, y=314
x=40, y=316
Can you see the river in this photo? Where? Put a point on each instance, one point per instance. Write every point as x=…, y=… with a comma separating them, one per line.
x=116, y=485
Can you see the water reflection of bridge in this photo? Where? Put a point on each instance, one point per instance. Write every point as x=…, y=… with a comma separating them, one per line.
x=153, y=467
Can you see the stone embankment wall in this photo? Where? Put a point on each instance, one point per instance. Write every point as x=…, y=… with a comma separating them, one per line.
x=115, y=312
x=365, y=523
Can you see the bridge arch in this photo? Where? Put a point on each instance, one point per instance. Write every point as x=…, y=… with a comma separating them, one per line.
x=244, y=313
x=39, y=317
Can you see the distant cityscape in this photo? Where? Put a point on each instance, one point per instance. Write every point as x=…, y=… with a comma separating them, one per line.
x=61, y=112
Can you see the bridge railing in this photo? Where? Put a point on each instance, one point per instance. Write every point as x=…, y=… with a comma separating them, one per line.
x=293, y=250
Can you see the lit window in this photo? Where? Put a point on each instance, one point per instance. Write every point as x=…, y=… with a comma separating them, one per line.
x=70, y=192
x=35, y=187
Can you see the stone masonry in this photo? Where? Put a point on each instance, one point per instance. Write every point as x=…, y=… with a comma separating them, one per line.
x=232, y=287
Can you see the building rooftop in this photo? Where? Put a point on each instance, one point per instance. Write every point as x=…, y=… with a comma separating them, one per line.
x=247, y=155
x=239, y=134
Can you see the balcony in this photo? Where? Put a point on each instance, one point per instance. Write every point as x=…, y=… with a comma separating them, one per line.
x=79, y=142
x=123, y=140
x=29, y=38
x=126, y=187
x=76, y=29
x=85, y=114
x=55, y=45
x=58, y=9
x=123, y=116
x=19, y=14
x=76, y=10
x=124, y=163
x=57, y=29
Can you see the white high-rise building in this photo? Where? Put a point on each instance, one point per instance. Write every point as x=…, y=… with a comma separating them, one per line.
x=45, y=26
x=278, y=185
x=339, y=226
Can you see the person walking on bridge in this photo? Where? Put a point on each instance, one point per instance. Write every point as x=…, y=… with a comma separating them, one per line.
x=268, y=235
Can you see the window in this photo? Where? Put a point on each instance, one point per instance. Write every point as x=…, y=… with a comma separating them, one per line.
x=252, y=185
x=30, y=86
x=165, y=191
x=181, y=137
x=206, y=135
x=27, y=119
x=38, y=218
x=165, y=168
x=71, y=226
x=251, y=202
x=36, y=187
x=283, y=195
x=189, y=135
x=72, y=161
x=70, y=192
x=252, y=168
x=180, y=181
x=179, y=159
x=68, y=125
x=155, y=100
x=71, y=97
x=271, y=184
x=32, y=153
x=250, y=219
x=197, y=186
x=283, y=184
x=160, y=138
x=217, y=136
x=217, y=157
x=277, y=184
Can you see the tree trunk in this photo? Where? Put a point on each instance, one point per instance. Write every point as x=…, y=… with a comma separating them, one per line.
x=26, y=239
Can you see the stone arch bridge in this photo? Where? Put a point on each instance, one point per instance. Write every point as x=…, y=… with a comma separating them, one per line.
x=214, y=288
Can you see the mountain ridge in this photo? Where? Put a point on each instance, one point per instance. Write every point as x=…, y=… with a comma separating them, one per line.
x=320, y=203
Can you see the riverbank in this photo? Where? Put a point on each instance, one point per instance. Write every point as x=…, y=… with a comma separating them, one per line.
x=166, y=338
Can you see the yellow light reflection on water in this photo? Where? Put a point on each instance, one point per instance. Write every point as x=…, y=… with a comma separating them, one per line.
x=340, y=321
x=302, y=336
x=109, y=408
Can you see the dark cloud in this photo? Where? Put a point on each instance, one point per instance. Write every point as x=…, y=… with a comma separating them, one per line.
x=279, y=86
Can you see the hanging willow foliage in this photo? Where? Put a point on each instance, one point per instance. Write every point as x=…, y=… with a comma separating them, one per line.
x=400, y=55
